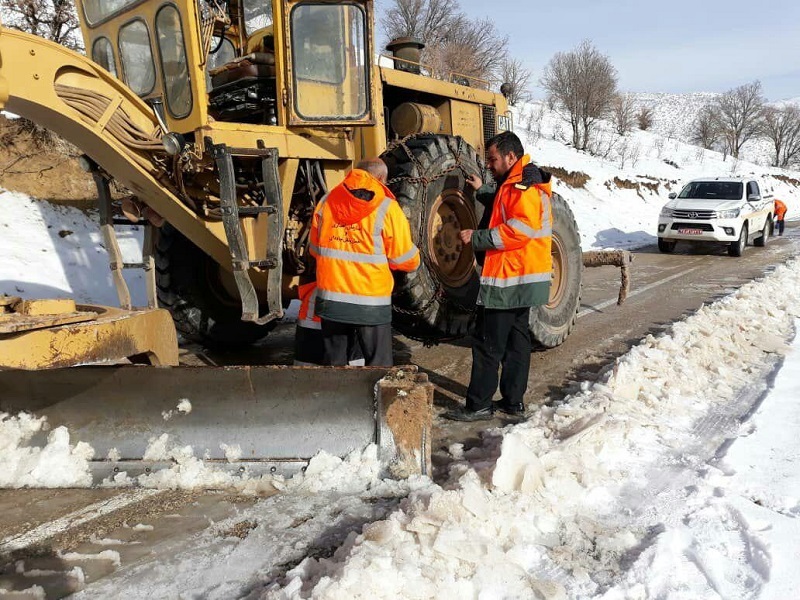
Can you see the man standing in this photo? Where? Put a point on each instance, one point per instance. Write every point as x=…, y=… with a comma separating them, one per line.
x=515, y=277
x=780, y=215
x=359, y=234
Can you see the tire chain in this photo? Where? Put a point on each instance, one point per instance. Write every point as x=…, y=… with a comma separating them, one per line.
x=439, y=294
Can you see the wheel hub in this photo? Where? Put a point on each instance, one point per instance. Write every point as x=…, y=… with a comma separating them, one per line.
x=453, y=261
x=558, y=280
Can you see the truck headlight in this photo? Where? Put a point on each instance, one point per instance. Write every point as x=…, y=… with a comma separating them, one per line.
x=728, y=214
x=666, y=212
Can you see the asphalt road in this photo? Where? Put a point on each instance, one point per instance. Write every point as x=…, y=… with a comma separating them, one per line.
x=664, y=288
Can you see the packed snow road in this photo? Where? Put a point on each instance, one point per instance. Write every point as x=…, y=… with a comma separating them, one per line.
x=128, y=537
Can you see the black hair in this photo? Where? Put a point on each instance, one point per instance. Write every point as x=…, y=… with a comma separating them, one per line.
x=507, y=142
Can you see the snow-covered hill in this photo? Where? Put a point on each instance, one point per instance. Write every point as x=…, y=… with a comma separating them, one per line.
x=617, y=191
x=674, y=114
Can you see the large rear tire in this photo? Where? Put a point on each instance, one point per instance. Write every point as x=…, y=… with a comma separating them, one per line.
x=551, y=324
x=189, y=284
x=437, y=301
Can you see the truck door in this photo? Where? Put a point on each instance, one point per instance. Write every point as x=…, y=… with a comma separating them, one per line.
x=756, y=206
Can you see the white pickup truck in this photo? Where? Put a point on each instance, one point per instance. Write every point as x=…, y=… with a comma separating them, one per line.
x=729, y=210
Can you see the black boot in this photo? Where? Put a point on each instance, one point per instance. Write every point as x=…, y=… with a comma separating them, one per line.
x=515, y=409
x=464, y=414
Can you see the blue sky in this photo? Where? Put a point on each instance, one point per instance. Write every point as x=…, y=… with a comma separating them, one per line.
x=679, y=46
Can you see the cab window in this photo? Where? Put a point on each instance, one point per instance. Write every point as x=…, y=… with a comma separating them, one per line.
x=137, y=58
x=222, y=52
x=172, y=53
x=329, y=61
x=257, y=14
x=752, y=188
x=100, y=10
x=103, y=55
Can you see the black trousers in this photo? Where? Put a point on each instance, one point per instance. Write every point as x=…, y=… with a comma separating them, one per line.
x=340, y=339
x=501, y=338
x=780, y=225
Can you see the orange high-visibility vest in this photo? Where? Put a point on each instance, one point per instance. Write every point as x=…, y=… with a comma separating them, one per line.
x=780, y=209
x=307, y=315
x=518, y=265
x=357, y=243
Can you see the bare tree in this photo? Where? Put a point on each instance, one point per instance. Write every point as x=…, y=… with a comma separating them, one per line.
x=431, y=21
x=515, y=80
x=582, y=84
x=645, y=118
x=705, y=128
x=453, y=42
x=54, y=20
x=475, y=50
x=623, y=113
x=781, y=126
x=739, y=114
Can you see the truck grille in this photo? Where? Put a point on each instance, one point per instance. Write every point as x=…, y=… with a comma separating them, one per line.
x=703, y=226
x=694, y=214
x=489, y=122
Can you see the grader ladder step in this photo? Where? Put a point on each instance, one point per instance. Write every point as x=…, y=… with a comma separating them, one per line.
x=232, y=214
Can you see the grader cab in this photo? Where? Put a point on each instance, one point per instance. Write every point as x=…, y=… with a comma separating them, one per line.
x=226, y=123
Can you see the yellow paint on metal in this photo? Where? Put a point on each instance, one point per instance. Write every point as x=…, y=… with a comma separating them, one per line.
x=112, y=336
x=35, y=308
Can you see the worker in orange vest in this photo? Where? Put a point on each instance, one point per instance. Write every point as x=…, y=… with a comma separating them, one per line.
x=780, y=214
x=516, y=276
x=359, y=235
x=308, y=346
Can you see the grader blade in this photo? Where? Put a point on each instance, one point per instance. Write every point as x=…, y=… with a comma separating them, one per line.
x=279, y=417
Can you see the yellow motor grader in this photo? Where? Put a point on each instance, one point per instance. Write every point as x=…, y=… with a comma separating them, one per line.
x=227, y=122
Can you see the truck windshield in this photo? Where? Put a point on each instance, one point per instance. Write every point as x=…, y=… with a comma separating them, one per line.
x=713, y=190
x=329, y=61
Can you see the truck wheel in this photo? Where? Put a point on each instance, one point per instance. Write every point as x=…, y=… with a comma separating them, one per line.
x=761, y=240
x=437, y=302
x=551, y=324
x=737, y=248
x=666, y=246
x=190, y=285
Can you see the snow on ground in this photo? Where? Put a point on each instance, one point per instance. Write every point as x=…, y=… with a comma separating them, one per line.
x=54, y=251
x=646, y=484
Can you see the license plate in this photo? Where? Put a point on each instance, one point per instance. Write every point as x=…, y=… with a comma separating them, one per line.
x=690, y=231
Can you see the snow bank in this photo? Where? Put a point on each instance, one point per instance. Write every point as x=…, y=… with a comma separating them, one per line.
x=541, y=511
x=55, y=464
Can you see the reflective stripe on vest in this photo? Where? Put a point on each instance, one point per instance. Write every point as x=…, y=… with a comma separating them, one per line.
x=309, y=322
x=375, y=259
x=355, y=298
x=512, y=281
x=377, y=231
x=404, y=257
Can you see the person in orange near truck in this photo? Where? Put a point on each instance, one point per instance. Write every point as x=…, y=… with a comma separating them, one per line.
x=780, y=214
x=359, y=235
x=516, y=276
x=308, y=346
